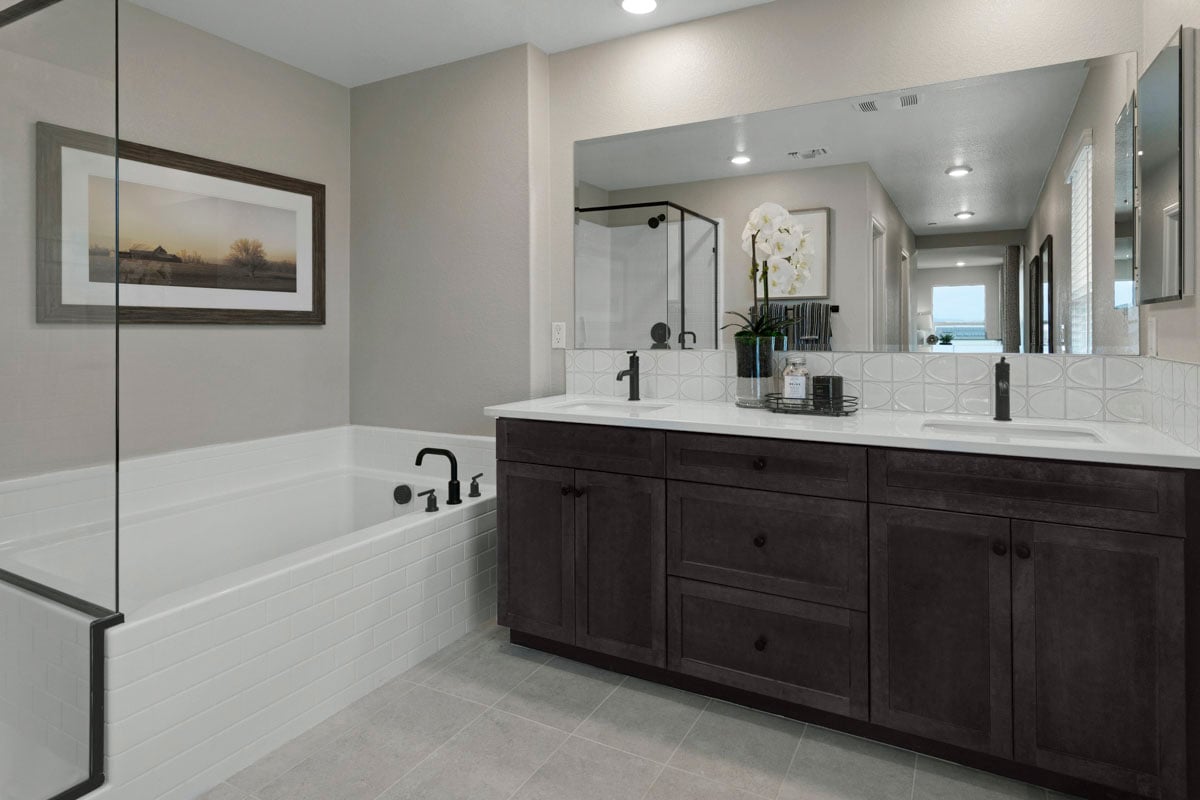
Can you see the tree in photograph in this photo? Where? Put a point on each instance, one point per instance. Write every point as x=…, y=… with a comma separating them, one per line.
x=247, y=254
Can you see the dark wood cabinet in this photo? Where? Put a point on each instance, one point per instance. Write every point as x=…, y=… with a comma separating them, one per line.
x=1024, y=616
x=620, y=575
x=536, y=550
x=1098, y=648
x=941, y=654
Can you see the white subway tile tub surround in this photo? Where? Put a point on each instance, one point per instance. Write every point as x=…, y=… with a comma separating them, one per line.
x=44, y=695
x=1102, y=388
x=204, y=680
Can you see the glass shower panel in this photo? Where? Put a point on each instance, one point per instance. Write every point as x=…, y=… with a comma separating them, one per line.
x=621, y=283
x=699, y=241
x=58, y=568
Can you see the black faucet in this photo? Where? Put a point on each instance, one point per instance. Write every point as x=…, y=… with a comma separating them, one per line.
x=1003, y=369
x=454, y=492
x=634, y=377
x=683, y=339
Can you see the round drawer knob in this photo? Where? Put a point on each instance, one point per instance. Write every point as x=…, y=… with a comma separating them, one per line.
x=1000, y=549
x=1023, y=551
x=565, y=490
x=760, y=643
x=760, y=540
x=760, y=464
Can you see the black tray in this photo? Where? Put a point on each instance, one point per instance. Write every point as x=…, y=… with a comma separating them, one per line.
x=840, y=407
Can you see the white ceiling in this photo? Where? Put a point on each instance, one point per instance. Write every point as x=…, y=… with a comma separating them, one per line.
x=960, y=257
x=354, y=42
x=1006, y=127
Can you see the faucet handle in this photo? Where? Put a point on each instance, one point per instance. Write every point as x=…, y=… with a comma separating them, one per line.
x=431, y=504
x=475, y=485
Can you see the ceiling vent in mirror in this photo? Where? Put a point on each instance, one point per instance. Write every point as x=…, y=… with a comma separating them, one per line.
x=909, y=100
x=866, y=106
x=816, y=152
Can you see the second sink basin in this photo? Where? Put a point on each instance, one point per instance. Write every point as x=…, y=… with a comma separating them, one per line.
x=610, y=408
x=1014, y=430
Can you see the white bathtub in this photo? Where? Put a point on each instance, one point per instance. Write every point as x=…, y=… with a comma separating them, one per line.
x=266, y=586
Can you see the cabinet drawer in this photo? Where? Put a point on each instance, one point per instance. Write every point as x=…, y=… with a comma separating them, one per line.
x=1122, y=498
x=823, y=470
x=630, y=451
x=809, y=548
x=800, y=652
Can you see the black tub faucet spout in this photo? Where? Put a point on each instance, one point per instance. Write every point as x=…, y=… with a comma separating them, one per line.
x=454, y=491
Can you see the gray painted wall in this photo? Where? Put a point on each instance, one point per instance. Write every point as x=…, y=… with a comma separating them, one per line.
x=442, y=243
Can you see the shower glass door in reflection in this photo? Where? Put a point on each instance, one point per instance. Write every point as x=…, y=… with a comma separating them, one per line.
x=58, y=483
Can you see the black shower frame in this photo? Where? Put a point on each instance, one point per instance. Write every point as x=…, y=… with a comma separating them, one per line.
x=102, y=618
x=682, y=261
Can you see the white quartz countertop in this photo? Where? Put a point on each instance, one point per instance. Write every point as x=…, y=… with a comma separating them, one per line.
x=1119, y=442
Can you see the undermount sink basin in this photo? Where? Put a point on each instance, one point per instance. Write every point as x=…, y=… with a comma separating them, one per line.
x=1007, y=431
x=611, y=408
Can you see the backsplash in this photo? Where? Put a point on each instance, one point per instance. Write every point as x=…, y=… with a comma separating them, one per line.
x=1163, y=393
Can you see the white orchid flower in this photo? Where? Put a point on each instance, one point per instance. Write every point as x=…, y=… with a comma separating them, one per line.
x=780, y=272
x=768, y=218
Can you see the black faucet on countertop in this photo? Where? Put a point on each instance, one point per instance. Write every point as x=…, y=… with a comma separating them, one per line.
x=634, y=377
x=683, y=339
x=1003, y=381
x=454, y=492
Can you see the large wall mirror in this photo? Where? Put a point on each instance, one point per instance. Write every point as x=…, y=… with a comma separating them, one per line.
x=982, y=215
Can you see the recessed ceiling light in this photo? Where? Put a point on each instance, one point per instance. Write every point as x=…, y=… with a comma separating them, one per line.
x=960, y=263
x=959, y=171
x=1141, y=152
x=639, y=6
x=964, y=215
x=740, y=160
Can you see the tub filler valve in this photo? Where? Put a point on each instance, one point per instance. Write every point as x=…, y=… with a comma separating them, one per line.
x=475, y=486
x=431, y=503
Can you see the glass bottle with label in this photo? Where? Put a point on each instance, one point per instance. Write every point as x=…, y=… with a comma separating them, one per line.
x=795, y=378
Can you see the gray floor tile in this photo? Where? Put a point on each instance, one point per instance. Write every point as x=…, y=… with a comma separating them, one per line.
x=940, y=780
x=488, y=760
x=224, y=792
x=561, y=693
x=740, y=747
x=276, y=763
x=583, y=770
x=834, y=766
x=488, y=673
x=490, y=633
x=676, y=785
x=370, y=758
x=644, y=718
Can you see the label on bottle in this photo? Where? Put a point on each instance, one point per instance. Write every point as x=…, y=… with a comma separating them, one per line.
x=795, y=387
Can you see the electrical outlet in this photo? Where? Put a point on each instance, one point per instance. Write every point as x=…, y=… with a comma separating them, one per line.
x=558, y=335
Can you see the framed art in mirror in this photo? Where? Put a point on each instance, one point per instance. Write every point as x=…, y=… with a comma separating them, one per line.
x=198, y=241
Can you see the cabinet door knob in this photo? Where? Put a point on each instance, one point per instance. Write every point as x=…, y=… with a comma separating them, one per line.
x=760, y=540
x=1000, y=549
x=1023, y=551
x=760, y=464
x=760, y=643
x=580, y=492
x=565, y=490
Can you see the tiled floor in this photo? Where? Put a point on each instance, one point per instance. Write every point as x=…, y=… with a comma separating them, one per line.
x=486, y=719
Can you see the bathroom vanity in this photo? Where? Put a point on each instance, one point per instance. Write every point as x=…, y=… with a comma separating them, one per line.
x=1017, y=602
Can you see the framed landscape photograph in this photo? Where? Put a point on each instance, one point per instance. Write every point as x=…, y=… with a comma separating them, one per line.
x=199, y=241
x=816, y=221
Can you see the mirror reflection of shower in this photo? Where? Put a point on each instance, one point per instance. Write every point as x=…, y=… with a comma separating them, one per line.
x=646, y=280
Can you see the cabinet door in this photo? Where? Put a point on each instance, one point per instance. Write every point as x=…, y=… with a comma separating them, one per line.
x=1098, y=632
x=620, y=566
x=941, y=626
x=536, y=550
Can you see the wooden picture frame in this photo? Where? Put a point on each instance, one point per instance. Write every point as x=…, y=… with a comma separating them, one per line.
x=820, y=222
x=208, y=289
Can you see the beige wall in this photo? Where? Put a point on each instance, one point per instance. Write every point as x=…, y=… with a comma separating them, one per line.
x=800, y=51
x=188, y=385
x=1109, y=85
x=445, y=229
x=181, y=386
x=1177, y=323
